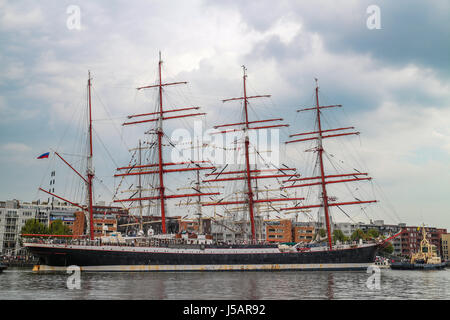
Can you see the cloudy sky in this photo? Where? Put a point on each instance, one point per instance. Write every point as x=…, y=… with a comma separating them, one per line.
x=393, y=81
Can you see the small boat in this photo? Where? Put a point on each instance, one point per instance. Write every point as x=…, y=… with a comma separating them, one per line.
x=3, y=267
x=382, y=263
x=425, y=259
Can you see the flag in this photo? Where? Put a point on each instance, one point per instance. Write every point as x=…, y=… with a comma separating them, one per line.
x=43, y=156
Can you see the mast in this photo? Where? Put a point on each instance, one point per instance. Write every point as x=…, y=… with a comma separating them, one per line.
x=319, y=136
x=90, y=171
x=199, y=199
x=248, y=176
x=322, y=170
x=159, y=117
x=160, y=156
x=140, y=188
x=247, y=160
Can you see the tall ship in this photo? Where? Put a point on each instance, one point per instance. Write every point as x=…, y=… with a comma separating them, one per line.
x=161, y=250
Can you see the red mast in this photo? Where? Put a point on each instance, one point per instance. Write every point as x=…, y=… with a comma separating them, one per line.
x=247, y=162
x=160, y=116
x=160, y=134
x=90, y=171
x=323, y=182
x=248, y=173
x=322, y=170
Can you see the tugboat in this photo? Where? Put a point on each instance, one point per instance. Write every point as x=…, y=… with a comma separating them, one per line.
x=425, y=259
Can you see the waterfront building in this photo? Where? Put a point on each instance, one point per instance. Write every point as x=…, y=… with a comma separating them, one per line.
x=404, y=245
x=347, y=228
x=14, y=214
x=193, y=226
x=104, y=224
x=445, y=242
x=279, y=230
x=223, y=230
x=229, y=230
x=412, y=236
x=303, y=232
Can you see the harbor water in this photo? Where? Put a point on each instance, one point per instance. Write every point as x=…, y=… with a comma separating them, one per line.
x=24, y=284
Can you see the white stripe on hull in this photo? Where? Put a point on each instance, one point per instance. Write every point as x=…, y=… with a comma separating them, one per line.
x=107, y=248
x=233, y=267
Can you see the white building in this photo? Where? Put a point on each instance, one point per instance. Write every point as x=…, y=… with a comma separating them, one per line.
x=227, y=229
x=13, y=216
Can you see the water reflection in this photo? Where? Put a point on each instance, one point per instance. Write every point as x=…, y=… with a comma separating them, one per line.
x=330, y=286
x=24, y=284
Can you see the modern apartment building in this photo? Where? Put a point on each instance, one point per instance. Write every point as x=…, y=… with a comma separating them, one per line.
x=14, y=214
x=228, y=230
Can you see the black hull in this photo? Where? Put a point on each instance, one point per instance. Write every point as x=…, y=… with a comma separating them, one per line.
x=417, y=266
x=353, y=258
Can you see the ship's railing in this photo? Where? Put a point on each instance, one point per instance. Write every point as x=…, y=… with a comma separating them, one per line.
x=142, y=242
x=176, y=242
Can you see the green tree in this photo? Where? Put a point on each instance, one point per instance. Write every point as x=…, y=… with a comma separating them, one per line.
x=33, y=226
x=387, y=249
x=339, y=235
x=372, y=233
x=57, y=227
x=358, y=234
x=322, y=233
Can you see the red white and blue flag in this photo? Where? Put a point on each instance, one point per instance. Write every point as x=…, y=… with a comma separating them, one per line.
x=43, y=156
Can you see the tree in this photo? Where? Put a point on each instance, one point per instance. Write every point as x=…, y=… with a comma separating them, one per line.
x=57, y=227
x=339, y=235
x=373, y=233
x=33, y=226
x=387, y=249
x=358, y=234
x=322, y=233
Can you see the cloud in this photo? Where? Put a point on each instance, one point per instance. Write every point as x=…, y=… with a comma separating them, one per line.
x=16, y=154
x=411, y=31
x=392, y=82
x=15, y=147
x=18, y=17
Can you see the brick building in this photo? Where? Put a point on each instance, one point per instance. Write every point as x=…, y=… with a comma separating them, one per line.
x=411, y=237
x=192, y=226
x=303, y=233
x=279, y=230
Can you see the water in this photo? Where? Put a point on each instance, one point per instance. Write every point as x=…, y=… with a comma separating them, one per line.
x=17, y=283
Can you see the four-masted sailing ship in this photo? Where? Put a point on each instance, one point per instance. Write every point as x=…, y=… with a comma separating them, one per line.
x=162, y=252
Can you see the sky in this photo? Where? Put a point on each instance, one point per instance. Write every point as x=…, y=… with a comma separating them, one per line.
x=390, y=71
